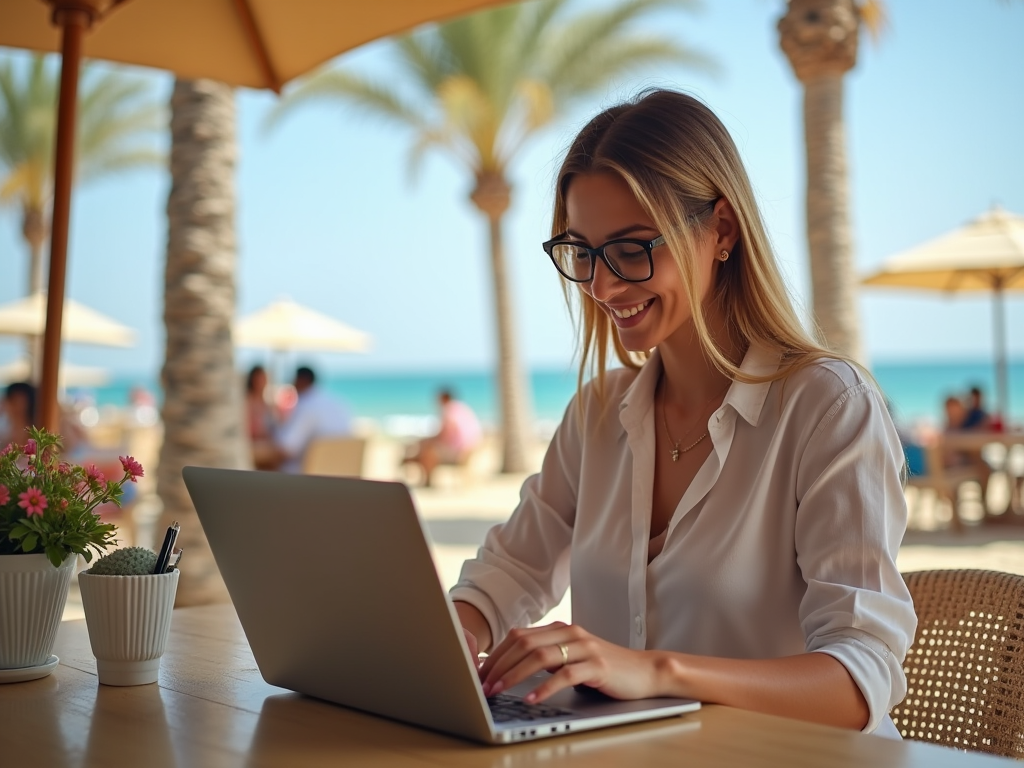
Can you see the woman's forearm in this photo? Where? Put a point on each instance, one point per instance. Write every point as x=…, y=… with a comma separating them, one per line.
x=812, y=686
x=474, y=622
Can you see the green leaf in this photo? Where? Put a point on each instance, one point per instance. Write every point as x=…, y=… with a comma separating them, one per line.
x=29, y=542
x=55, y=555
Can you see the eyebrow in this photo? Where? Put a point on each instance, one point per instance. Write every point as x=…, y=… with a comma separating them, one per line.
x=627, y=230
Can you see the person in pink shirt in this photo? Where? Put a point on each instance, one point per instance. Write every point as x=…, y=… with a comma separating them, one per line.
x=458, y=436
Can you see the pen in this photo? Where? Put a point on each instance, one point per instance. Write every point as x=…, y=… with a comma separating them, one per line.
x=164, y=558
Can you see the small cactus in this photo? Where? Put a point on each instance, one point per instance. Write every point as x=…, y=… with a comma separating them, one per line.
x=130, y=561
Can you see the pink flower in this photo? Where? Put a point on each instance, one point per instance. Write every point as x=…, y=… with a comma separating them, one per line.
x=5, y=495
x=32, y=501
x=64, y=468
x=8, y=449
x=132, y=467
x=63, y=503
x=30, y=447
x=94, y=474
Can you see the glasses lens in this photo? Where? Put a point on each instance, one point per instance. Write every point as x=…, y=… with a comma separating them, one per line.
x=573, y=262
x=630, y=260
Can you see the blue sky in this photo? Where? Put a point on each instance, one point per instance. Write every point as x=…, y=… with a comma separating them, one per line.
x=328, y=215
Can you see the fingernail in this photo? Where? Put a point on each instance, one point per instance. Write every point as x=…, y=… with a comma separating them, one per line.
x=497, y=688
x=487, y=689
x=530, y=698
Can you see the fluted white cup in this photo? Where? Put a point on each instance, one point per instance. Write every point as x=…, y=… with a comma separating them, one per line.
x=129, y=618
x=32, y=597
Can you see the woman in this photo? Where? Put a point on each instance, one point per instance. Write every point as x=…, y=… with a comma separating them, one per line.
x=727, y=505
x=260, y=419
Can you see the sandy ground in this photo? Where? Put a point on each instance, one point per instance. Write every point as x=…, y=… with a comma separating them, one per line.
x=466, y=502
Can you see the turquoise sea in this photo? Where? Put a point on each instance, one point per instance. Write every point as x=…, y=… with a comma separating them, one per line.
x=400, y=402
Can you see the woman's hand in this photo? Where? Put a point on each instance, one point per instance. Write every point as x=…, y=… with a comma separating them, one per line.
x=574, y=657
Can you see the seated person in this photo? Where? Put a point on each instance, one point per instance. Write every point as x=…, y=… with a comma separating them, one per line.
x=727, y=503
x=260, y=418
x=975, y=417
x=316, y=414
x=458, y=435
x=18, y=410
x=957, y=415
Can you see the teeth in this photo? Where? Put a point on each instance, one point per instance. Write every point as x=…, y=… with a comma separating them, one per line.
x=624, y=313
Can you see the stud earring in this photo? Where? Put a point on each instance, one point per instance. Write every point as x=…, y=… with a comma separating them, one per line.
x=724, y=255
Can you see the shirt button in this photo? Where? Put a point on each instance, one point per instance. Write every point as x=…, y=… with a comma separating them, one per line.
x=639, y=623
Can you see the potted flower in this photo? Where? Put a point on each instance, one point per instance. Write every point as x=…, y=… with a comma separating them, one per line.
x=48, y=518
x=128, y=607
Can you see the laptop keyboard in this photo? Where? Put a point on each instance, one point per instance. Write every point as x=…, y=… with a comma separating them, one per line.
x=505, y=708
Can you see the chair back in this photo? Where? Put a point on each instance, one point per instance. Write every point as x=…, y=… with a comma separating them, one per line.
x=965, y=669
x=335, y=456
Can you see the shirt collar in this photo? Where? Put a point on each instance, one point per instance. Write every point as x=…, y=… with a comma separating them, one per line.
x=746, y=399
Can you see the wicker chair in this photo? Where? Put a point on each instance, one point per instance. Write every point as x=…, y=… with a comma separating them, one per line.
x=965, y=670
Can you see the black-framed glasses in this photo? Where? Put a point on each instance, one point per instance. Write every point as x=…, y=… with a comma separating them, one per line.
x=627, y=258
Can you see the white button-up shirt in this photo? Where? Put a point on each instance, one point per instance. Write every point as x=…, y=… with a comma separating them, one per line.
x=785, y=542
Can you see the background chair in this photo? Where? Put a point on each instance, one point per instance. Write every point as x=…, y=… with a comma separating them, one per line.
x=946, y=482
x=965, y=669
x=335, y=456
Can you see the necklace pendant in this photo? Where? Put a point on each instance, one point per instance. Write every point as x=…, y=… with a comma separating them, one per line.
x=675, y=454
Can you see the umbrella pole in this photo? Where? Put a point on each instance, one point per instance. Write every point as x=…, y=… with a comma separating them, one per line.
x=74, y=19
x=999, y=330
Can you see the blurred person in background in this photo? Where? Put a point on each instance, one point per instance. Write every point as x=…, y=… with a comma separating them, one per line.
x=976, y=417
x=316, y=414
x=458, y=436
x=261, y=423
x=18, y=412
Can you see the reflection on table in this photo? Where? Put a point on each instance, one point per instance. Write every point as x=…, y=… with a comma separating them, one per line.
x=212, y=708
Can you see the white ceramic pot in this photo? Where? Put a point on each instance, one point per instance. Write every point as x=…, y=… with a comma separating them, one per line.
x=32, y=597
x=129, y=618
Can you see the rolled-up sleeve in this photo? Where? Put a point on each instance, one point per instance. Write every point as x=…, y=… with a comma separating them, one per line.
x=522, y=570
x=851, y=517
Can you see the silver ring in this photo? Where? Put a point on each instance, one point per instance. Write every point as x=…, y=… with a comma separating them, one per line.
x=565, y=653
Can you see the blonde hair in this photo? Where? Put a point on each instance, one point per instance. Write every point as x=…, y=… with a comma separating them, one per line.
x=679, y=160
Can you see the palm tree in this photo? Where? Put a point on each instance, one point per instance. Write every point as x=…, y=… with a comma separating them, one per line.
x=478, y=88
x=115, y=123
x=820, y=38
x=202, y=411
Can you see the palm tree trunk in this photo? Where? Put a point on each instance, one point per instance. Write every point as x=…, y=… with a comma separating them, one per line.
x=829, y=238
x=511, y=382
x=33, y=229
x=492, y=195
x=202, y=399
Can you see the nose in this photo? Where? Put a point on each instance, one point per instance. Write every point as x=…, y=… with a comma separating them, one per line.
x=606, y=284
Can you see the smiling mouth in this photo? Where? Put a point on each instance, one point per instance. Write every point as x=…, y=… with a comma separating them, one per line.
x=622, y=314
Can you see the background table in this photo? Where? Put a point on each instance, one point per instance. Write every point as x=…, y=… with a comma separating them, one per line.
x=212, y=708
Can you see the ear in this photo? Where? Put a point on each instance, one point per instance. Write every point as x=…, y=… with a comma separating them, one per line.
x=725, y=225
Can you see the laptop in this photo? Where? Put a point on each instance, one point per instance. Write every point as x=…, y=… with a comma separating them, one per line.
x=335, y=588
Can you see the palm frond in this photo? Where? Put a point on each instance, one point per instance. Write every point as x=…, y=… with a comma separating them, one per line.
x=347, y=88
x=594, y=70
x=424, y=58
x=583, y=40
x=874, y=17
x=119, y=159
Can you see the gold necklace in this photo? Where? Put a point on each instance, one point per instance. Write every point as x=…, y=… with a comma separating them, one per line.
x=676, y=450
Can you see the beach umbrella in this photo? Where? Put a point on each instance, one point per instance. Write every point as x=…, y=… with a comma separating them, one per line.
x=255, y=43
x=27, y=317
x=284, y=326
x=985, y=255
